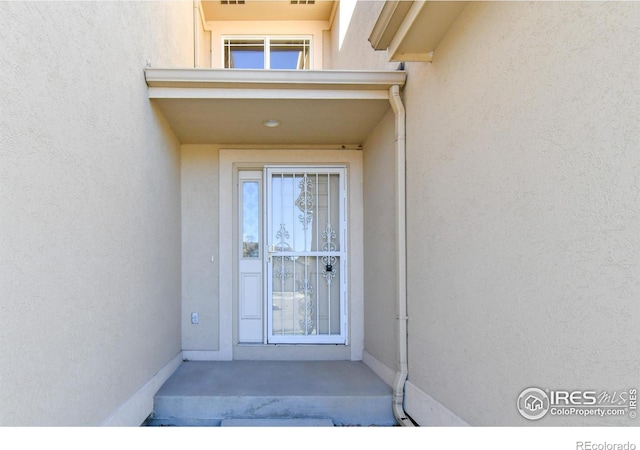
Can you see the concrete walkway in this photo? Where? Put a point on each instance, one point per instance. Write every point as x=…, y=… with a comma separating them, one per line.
x=240, y=393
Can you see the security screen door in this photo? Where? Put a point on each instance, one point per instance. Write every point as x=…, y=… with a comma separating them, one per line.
x=306, y=259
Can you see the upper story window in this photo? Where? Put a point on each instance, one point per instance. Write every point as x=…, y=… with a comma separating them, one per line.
x=268, y=52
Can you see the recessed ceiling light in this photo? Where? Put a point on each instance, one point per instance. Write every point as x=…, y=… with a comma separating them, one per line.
x=271, y=123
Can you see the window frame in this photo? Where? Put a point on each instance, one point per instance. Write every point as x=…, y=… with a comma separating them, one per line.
x=266, y=39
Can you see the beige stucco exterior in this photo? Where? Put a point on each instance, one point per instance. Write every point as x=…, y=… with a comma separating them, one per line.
x=90, y=210
x=203, y=40
x=380, y=244
x=199, y=247
x=522, y=218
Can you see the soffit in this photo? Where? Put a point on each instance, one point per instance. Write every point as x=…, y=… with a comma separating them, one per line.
x=411, y=30
x=228, y=106
x=267, y=10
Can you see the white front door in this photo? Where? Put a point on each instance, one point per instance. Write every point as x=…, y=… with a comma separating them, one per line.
x=301, y=245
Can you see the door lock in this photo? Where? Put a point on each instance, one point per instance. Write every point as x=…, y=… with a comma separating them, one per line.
x=329, y=268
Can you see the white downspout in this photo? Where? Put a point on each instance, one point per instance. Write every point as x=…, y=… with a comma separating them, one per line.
x=196, y=50
x=401, y=256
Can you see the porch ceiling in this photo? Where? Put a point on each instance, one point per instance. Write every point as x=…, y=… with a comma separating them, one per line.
x=222, y=106
x=267, y=10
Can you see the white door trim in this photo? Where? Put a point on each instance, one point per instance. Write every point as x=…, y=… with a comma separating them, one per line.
x=229, y=160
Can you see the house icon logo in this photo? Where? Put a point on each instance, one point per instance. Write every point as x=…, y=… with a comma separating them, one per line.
x=533, y=403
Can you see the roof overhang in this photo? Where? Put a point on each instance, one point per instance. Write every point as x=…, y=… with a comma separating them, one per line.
x=411, y=30
x=229, y=106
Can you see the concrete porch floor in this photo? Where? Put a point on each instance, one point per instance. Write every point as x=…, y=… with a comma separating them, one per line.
x=273, y=393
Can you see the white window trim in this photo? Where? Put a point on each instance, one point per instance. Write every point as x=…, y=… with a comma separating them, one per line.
x=267, y=44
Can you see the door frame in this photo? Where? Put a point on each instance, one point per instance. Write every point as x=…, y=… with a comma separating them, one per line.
x=230, y=162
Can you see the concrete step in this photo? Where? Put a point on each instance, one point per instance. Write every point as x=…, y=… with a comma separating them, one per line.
x=346, y=393
x=343, y=410
x=277, y=423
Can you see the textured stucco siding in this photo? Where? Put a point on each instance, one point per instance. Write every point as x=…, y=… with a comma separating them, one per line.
x=204, y=43
x=523, y=208
x=379, y=234
x=200, y=247
x=350, y=49
x=523, y=214
x=89, y=207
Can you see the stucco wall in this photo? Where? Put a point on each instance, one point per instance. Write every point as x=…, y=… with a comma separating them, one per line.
x=523, y=213
x=89, y=207
x=200, y=247
x=380, y=305
x=350, y=49
x=204, y=43
x=523, y=210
